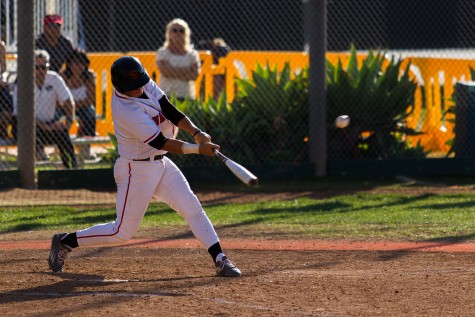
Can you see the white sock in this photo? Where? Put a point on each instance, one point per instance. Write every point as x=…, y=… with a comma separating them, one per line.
x=220, y=257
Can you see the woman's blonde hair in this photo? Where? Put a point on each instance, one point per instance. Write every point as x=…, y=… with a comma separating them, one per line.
x=182, y=23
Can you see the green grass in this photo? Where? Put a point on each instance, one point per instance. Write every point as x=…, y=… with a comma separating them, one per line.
x=357, y=216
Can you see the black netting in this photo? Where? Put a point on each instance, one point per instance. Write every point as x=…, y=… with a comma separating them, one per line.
x=254, y=55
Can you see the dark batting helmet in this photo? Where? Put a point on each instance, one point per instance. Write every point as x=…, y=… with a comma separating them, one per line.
x=128, y=74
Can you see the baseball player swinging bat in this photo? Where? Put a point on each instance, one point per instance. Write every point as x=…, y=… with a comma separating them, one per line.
x=240, y=171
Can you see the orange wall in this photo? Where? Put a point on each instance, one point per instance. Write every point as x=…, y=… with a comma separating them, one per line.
x=437, y=75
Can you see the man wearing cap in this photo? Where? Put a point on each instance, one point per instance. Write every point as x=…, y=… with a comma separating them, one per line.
x=51, y=40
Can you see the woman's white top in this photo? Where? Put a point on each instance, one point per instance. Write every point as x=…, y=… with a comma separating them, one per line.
x=172, y=86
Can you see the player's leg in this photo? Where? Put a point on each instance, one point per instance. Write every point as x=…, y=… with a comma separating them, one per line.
x=175, y=191
x=136, y=182
x=135, y=185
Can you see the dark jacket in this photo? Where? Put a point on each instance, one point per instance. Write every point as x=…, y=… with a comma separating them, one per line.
x=59, y=54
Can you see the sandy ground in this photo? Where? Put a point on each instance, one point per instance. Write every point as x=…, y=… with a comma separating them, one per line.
x=173, y=276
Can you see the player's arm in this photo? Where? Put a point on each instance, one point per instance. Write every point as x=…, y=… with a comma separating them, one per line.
x=179, y=119
x=181, y=147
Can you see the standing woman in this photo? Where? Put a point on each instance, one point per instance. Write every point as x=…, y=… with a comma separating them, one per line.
x=82, y=83
x=178, y=62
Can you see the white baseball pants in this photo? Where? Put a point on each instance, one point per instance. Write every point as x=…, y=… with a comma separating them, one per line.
x=137, y=183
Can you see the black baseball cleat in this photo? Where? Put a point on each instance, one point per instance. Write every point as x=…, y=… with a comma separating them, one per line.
x=58, y=253
x=227, y=268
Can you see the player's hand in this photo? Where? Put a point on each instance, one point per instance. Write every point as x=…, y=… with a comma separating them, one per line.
x=208, y=148
x=202, y=137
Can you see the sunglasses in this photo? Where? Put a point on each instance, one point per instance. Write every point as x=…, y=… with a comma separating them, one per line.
x=42, y=67
x=176, y=30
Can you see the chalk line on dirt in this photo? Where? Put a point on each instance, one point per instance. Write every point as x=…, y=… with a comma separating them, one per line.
x=273, y=245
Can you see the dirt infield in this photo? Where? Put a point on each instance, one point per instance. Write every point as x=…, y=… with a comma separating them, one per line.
x=280, y=278
x=171, y=276
x=272, y=245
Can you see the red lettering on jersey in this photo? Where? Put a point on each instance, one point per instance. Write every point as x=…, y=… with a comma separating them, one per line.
x=156, y=120
x=159, y=119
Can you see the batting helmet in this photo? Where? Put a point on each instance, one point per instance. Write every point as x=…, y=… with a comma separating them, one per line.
x=128, y=74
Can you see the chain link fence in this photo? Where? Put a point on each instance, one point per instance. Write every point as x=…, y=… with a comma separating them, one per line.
x=399, y=69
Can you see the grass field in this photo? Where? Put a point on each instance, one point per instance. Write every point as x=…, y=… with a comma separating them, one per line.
x=389, y=210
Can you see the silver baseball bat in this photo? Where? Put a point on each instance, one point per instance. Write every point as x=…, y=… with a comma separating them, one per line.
x=238, y=170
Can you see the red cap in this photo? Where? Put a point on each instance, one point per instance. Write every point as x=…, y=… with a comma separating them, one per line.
x=53, y=18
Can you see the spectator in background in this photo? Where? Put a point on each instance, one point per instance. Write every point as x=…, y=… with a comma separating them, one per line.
x=50, y=91
x=218, y=49
x=6, y=102
x=81, y=81
x=178, y=62
x=3, y=59
x=58, y=47
x=6, y=110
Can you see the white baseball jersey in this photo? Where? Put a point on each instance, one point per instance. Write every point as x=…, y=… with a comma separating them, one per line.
x=54, y=91
x=138, y=121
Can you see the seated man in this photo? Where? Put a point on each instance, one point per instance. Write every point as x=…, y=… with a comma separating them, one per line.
x=6, y=110
x=50, y=91
x=6, y=103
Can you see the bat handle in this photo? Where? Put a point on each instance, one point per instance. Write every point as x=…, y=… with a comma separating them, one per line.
x=220, y=155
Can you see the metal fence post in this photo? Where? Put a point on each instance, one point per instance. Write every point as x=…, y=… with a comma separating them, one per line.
x=26, y=94
x=316, y=24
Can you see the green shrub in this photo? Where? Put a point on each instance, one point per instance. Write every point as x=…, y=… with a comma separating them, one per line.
x=278, y=105
x=378, y=99
x=267, y=122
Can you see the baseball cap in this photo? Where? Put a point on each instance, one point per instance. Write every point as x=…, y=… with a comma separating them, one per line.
x=53, y=18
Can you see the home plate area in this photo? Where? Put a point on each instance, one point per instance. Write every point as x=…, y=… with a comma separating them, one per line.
x=170, y=280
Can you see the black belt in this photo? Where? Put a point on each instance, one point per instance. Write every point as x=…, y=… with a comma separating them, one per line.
x=155, y=158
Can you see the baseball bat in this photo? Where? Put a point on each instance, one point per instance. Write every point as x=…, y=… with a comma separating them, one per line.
x=238, y=170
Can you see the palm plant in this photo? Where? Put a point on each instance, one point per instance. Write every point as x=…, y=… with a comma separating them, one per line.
x=378, y=97
x=278, y=102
